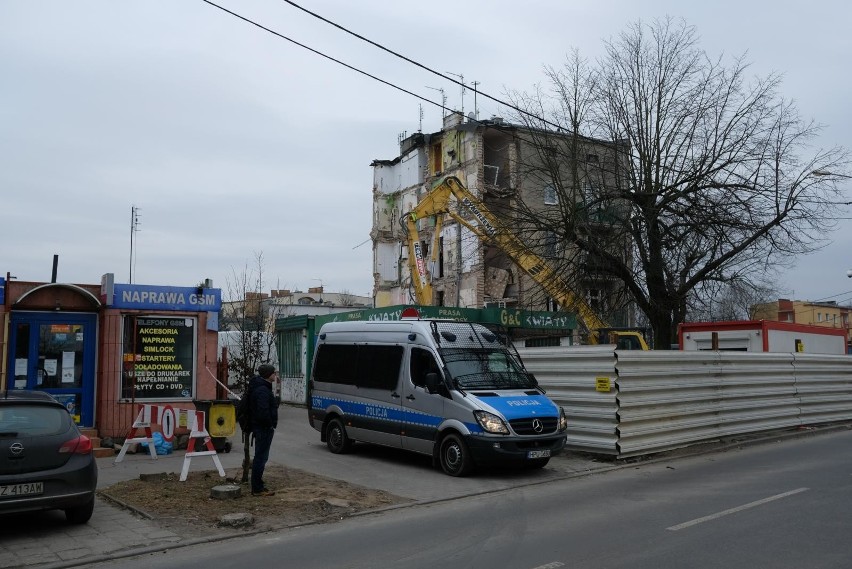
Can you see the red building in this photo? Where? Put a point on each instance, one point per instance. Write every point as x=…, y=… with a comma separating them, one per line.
x=105, y=349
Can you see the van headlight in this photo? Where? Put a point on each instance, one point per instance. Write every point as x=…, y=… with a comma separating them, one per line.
x=491, y=423
x=563, y=420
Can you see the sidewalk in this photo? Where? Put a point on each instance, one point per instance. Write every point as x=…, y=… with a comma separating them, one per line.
x=45, y=541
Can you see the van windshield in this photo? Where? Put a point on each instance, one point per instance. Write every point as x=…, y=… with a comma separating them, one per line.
x=485, y=369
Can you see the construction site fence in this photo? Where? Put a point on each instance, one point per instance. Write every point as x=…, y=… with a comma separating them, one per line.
x=630, y=403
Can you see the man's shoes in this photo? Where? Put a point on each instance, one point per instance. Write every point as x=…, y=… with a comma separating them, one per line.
x=264, y=492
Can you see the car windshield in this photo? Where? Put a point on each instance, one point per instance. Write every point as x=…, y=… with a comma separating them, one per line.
x=25, y=419
x=485, y=369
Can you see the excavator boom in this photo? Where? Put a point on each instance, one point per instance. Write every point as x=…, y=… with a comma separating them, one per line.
x=487, y=227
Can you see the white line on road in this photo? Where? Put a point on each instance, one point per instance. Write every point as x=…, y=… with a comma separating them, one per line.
x=697, y=521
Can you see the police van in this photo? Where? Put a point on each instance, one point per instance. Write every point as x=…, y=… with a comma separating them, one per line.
x=452, y=390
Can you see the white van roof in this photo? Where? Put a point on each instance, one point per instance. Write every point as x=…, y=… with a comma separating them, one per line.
x=451, y=334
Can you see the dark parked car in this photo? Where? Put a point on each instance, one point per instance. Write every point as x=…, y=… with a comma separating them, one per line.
x=45, y=462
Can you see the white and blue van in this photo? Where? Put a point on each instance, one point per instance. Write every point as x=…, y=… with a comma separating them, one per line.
x=451, y=390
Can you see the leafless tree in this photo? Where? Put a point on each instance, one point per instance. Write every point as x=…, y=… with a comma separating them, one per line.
x=251, y=315
x=346, y=298
x=249, y=321
x=714, y=301
x=675, y=172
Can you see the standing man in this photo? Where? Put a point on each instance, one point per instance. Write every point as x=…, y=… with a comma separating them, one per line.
x=264, y=419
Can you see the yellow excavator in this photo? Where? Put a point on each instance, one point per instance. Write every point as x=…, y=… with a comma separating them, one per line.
x=488, y=228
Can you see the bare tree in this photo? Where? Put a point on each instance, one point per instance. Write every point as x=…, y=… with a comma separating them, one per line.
x=346, y=298
x=714, y=301
x=249, y=321
x=674, y=172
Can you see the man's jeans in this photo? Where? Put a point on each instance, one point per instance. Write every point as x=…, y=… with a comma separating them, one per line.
x=262, y=442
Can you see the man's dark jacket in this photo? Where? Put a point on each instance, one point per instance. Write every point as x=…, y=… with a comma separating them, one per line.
x=264, y=407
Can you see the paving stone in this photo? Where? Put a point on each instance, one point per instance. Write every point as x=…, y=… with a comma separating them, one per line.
x=38, y=559
x=74, y=554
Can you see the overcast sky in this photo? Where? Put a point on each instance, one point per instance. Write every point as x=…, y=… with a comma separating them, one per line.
x=232, y=141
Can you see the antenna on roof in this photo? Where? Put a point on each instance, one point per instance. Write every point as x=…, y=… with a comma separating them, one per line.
x=461, y=81
x=443, y=101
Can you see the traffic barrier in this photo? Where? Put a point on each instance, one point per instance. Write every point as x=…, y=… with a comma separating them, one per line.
x=168, y=418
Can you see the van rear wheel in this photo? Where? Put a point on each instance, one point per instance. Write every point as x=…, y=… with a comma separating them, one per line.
x=335, y=437
x=455, y=457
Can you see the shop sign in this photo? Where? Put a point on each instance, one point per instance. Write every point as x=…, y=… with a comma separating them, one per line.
x=504, y=317
x=151, y=297
x=158, y=357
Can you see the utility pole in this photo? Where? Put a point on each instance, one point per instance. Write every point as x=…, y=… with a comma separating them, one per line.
x=134, y=227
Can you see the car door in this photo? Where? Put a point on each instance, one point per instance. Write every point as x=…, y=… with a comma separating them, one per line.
x=422, y=412
x=376, y=415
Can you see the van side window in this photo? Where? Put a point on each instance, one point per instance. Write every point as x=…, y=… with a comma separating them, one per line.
x=334, y=363
x=365, y=366
x=422, y=362
x=378, y=366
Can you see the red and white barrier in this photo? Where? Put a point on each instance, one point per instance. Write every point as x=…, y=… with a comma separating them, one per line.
x=168, y=418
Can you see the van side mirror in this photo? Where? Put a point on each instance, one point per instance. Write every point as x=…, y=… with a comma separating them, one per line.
x=433, y=382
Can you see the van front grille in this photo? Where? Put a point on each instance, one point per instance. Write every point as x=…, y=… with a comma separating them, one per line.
x=525, y=426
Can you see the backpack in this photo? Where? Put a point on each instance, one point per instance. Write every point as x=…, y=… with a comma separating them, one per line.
x=243, y=412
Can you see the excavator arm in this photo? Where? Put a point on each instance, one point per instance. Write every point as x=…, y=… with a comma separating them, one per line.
x=486, y=226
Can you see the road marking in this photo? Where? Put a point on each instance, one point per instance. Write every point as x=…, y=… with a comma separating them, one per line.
x=551, y=565
x=697, y=521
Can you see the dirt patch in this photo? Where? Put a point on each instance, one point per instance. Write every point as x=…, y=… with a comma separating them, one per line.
x=300, y=497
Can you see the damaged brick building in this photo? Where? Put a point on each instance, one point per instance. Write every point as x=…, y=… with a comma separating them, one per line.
x=467, y=271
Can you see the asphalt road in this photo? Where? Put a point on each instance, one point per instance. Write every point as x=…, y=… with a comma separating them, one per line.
x=777, y=505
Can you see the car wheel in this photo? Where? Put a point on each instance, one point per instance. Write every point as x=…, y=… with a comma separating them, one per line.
x=80, y=514
x=335, y=437
x=454, y=457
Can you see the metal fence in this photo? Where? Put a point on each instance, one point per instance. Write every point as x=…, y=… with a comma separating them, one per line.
x=627, y=403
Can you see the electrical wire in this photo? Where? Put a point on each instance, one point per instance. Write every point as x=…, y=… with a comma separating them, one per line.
x=321, y=54
x=421, y=66
x=398, y=55
x=441, y=106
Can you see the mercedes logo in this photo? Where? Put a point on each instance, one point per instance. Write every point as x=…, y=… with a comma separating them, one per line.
x=537, y=426
x=16, y=448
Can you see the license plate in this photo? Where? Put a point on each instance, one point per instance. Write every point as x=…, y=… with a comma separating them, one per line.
x=538, y=453
x=18, y=490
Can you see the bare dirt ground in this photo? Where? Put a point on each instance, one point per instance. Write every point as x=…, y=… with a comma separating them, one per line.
x=300, y=497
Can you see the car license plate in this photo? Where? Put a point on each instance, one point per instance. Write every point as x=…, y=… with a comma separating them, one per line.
x=538, y=453
x=18, y=490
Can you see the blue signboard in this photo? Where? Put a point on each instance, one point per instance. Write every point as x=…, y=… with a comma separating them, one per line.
x=150, y=297
x=2, y=290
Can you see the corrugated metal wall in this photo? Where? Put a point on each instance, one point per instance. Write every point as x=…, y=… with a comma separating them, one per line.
x=663, y=400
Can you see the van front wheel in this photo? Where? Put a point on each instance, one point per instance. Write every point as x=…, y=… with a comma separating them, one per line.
x=455, y=458
x=335, y=437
